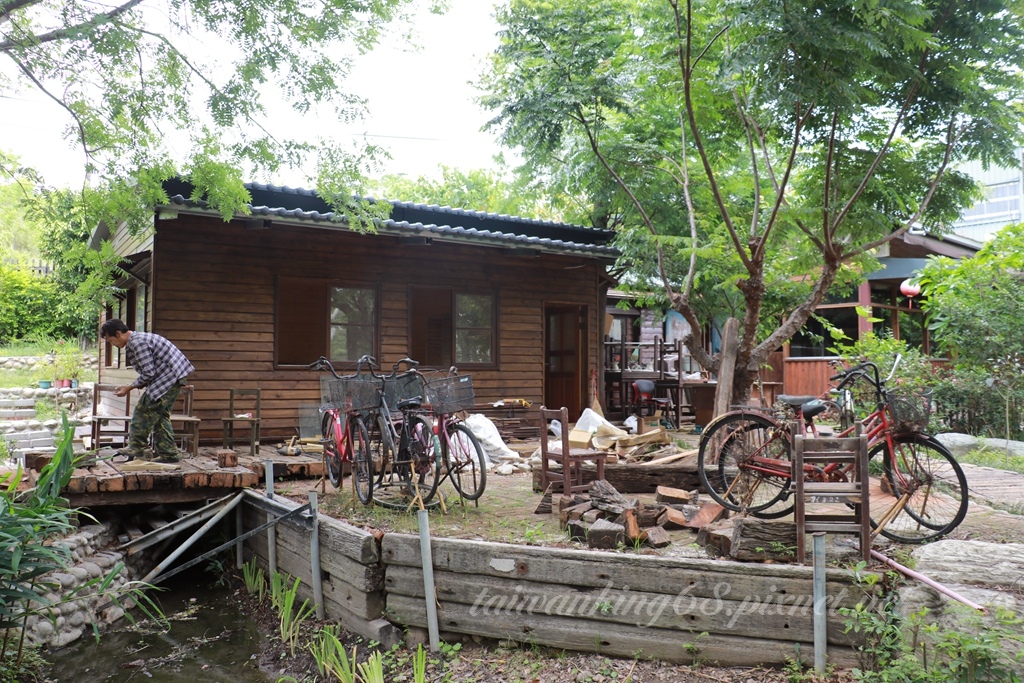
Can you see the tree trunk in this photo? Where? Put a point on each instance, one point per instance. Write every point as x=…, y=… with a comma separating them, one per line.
x=727, y=366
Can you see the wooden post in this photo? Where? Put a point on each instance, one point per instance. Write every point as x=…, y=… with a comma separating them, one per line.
x=268, y=473
x=727, y=367
x=314, y=557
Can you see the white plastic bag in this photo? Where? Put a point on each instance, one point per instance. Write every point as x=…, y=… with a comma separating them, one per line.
x=490, y=440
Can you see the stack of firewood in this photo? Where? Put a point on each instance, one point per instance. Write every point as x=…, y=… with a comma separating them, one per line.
x=606, y=519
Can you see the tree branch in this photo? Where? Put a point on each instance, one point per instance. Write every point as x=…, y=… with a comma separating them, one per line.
x=12, y=6
x=74, y=116
x=81, y=30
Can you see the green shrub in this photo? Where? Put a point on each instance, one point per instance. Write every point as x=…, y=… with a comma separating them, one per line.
x=26, y=306
x=963, y=402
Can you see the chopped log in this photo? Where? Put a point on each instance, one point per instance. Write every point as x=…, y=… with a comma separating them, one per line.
x=577, y=530
x=656, y=537
x=763, y=539
x=667, y=494
x=631, y=525
x=604, y=497
x=544, y=507
x=591, y=516
x=709, y=512
x=648, y=515
x=569, y=501
x=572, y=513
x=675, y=519
x=717, y=537
x=606, y=535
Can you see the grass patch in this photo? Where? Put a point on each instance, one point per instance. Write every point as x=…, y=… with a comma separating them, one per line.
x=994, y=457
x=30, y=346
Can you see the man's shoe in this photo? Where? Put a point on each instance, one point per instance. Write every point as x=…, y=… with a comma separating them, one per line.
x=164, y=458
x=130, y=453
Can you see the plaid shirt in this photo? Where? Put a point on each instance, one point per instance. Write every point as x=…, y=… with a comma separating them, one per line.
x=159, y=363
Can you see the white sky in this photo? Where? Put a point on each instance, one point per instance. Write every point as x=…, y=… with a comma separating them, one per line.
x=425, y=117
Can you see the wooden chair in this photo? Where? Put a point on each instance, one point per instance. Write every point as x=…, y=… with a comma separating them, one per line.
x=184, y=423
x=244, y=406
x=571, y=476
x=847, y=501
x=111, y=416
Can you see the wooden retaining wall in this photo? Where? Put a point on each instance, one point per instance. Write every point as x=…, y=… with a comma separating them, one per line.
x=674, y=609
x=350, y=566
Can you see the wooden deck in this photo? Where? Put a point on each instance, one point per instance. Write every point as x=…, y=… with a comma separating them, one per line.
x=105, y=482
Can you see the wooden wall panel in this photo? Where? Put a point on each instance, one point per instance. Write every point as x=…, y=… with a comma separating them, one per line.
x=213, y=296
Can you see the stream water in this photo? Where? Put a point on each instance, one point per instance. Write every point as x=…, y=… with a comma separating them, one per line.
x=210, y=640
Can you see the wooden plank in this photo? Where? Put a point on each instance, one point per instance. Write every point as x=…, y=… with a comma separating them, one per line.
x=747, y=616
x=588, y=635
x=670, y=575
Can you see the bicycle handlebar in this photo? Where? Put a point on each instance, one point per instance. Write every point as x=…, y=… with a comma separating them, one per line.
x=405, y=361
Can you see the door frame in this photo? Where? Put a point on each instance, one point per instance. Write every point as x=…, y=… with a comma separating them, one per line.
x=582, y=352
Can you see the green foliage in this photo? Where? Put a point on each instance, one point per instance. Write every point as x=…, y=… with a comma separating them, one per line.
x=30, y=522
x=255, y=579
x=25, y=304
x=290, y=617
x=330, y=656
x=752, y=154
x=137, y=87
x=909, y=649
x=372, y=670
x=964, y=402
x=419, y=665
x=975, y=305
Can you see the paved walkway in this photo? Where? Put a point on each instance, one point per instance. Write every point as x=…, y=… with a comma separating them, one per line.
x=995, y=487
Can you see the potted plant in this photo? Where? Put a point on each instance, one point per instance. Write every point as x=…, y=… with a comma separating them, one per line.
x=67, y=364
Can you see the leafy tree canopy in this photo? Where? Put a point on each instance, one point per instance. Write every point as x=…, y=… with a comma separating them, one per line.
x=140, y=79
x=975, y=306
x=755, y=152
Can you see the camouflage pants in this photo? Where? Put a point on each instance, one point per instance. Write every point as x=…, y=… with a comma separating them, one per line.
x=154, y=416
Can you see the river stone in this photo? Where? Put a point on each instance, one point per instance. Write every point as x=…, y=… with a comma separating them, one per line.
x=77, y=619
x=66, y=580
x=958, y=444
x=44, y=628
x=67, y=637
x=79, y=573
x=92, y=569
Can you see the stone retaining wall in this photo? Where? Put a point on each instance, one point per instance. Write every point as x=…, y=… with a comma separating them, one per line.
x=92, y=558
x=89, y=360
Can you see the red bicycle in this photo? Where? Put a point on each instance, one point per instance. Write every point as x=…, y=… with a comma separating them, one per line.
x=343, y=432
x=918, y=489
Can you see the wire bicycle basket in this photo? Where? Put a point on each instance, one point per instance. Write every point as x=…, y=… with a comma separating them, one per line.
x=402, y=387
x=910, y=412
x=356, y=393
x=451, y=394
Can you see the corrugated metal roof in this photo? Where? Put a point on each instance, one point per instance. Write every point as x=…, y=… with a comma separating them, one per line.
x=410, y=219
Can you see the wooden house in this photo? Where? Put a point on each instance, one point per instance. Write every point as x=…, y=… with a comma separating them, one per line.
x=517, y=303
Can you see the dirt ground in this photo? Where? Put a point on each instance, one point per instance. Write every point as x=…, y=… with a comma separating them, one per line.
x=506, y=514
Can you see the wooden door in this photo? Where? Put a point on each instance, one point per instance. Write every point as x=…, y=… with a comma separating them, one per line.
x=564, y=337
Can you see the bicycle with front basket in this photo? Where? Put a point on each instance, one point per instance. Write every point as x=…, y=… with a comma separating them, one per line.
x=343, y=432
x=463, y=457
x=918, y=489
x=405, y=451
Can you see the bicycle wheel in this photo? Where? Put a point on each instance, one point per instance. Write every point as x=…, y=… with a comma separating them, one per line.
x=464, y=458
x=744, y=465
x=424, y=458
x=382, y=446
x=362, y=462
x=924, y=474
x=332, y=457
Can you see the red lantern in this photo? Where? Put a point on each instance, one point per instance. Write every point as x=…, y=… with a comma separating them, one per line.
x=909, y=289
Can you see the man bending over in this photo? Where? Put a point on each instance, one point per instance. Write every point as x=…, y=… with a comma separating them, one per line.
x=162, y=369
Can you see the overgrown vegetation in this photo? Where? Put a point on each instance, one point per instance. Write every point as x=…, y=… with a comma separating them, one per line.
x=909, y=649
x=29, y=523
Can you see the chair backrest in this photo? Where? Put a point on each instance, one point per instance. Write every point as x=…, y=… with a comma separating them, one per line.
x=245, y=400
x=546, y=415
x=183, y=404
x=643, y=389
x=105, y=403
